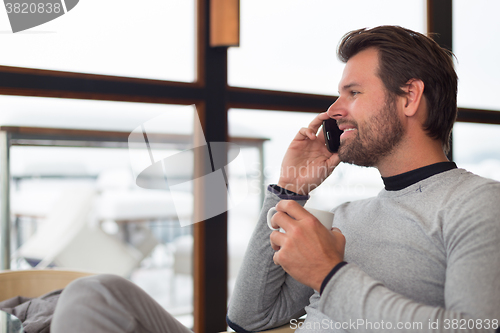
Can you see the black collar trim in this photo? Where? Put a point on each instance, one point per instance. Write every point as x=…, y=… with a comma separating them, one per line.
x=399, y=182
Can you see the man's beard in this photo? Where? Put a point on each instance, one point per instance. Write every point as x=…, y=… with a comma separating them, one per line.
x=374, y=139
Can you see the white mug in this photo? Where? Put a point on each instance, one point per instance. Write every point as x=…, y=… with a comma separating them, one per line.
x=326, y=218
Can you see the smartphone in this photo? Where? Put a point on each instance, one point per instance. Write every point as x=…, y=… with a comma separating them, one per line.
x=332, y=135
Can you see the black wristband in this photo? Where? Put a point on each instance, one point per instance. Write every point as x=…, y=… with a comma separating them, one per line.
x=283, y=193
x=282, y=190
x=330, y=275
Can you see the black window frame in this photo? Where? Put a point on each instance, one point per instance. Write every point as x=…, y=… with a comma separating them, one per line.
x=213, y=98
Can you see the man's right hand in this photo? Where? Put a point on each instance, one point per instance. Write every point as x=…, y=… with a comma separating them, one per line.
x=307, y=162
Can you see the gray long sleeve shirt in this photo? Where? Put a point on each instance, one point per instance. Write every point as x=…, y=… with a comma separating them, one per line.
x=423, y=258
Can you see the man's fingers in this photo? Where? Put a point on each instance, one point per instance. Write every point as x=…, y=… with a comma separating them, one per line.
x=294, y=211
x=273, y=223
x=275, y=258
x=310, y=131
x=276, y=239
x=279, y=219
x=336, y=230
x=315, y=124
x=282, y=218
x=333, y=161
x=305, y=133
x=339, y=236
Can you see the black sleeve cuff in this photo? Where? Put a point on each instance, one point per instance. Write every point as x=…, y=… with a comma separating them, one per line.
x=235, y=327
x=285, y=194
x=331, y=274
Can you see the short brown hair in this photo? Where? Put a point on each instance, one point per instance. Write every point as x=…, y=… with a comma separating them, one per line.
x=403, y=55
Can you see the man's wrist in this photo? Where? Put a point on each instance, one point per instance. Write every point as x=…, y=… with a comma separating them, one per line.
x=285, y=194
x=331, y=274
x=292, y=188
x=284, y=190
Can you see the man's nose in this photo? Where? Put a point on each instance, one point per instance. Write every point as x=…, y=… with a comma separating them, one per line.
x=336, y=110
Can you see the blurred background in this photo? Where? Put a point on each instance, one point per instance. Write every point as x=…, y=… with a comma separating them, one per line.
x=72, y=197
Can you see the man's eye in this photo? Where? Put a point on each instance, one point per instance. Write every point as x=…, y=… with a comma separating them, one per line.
x=354, y=93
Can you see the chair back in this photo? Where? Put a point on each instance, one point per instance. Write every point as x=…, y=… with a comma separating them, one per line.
x=34, y=283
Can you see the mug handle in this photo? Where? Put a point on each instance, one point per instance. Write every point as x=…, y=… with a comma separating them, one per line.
x=270, y=214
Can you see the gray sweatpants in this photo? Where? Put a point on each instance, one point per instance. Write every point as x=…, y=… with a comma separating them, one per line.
x=109, y=303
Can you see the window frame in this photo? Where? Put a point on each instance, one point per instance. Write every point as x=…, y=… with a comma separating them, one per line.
x=213, y=98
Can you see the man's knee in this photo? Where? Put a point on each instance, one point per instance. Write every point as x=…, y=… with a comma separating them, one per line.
x=96, y=282
x=93, y=303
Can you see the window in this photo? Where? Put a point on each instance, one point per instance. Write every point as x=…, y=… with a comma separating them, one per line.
x=285, y=45
x=475, y=149
x=80, y=196
x=112, y=37
x=290, y=44
x=477, y=53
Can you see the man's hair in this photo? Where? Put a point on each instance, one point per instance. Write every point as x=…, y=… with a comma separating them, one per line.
x=404, y=55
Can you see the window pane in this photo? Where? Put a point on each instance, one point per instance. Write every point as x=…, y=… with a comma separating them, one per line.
x=86, y=199
x=474, y=24
x=347, y=182
x=147, y=39
x=476, y=149
x=290, y=44
x=88, y=114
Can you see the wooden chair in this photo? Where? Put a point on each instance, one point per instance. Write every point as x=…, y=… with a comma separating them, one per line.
x=34, y=283
x=37, y=282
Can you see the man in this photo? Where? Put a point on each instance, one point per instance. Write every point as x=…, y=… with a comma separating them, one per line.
x=424, y=255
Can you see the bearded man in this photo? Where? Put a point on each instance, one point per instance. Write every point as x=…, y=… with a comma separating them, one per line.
x=424, y=255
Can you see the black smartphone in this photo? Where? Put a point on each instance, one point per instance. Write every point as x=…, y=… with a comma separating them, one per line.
x=332, y=135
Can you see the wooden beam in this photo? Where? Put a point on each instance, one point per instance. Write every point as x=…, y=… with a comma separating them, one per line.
x=46, y=83
x=478, y=116
x=210, y=235
x=440, y=28
x=224, y=23
x=246, y=98
x=440, y=22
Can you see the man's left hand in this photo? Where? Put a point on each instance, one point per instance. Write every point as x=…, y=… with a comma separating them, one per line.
x=307, y=250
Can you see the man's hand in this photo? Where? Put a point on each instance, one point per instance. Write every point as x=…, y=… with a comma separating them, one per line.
x=307, y=162
x=307, y=250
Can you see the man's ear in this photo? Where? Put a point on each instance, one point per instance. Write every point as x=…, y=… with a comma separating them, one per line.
x=413, y=99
